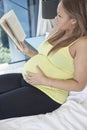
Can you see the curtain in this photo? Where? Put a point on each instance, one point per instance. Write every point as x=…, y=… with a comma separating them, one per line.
x=33, y=15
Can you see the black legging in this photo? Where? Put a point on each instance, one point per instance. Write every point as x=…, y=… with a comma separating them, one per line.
x=17, y=98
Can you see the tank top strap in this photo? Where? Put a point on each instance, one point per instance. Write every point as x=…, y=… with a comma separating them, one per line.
x=73, y=42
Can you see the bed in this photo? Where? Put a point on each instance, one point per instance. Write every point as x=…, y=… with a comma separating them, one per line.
x=72, y=115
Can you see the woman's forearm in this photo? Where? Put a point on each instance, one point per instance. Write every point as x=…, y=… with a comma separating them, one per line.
x=40, y=78
x=26, y=49
x=69, y=85
x=31, y=53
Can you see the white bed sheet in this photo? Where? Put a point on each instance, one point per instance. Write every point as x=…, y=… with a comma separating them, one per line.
x=70, y=116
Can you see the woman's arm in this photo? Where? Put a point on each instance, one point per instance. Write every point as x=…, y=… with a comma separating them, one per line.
x=26, y=50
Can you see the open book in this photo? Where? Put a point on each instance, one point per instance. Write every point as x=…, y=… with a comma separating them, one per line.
x=11, y=25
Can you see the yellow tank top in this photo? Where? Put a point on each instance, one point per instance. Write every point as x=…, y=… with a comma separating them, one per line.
x=57, y=65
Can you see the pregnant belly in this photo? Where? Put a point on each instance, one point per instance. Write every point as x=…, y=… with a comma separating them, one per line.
x=46, y=66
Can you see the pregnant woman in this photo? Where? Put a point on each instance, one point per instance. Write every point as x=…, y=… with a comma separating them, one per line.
x=59, y=66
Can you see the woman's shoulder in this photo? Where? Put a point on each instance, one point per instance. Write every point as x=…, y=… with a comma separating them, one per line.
x=81, y=44
x=82, y=41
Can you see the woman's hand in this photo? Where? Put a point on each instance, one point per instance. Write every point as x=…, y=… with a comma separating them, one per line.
x=26, y=50
x=36, y=78
x=24, y=47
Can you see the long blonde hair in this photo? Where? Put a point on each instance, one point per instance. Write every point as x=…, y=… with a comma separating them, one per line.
x=76, y=9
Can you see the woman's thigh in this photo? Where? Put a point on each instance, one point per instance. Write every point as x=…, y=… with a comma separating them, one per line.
x=10, y=81
x=25, y=101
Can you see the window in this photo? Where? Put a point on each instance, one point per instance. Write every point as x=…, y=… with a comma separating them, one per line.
x=27, y=12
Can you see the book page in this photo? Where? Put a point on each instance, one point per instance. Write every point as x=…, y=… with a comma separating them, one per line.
x=6, y=28
x=15, y=26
